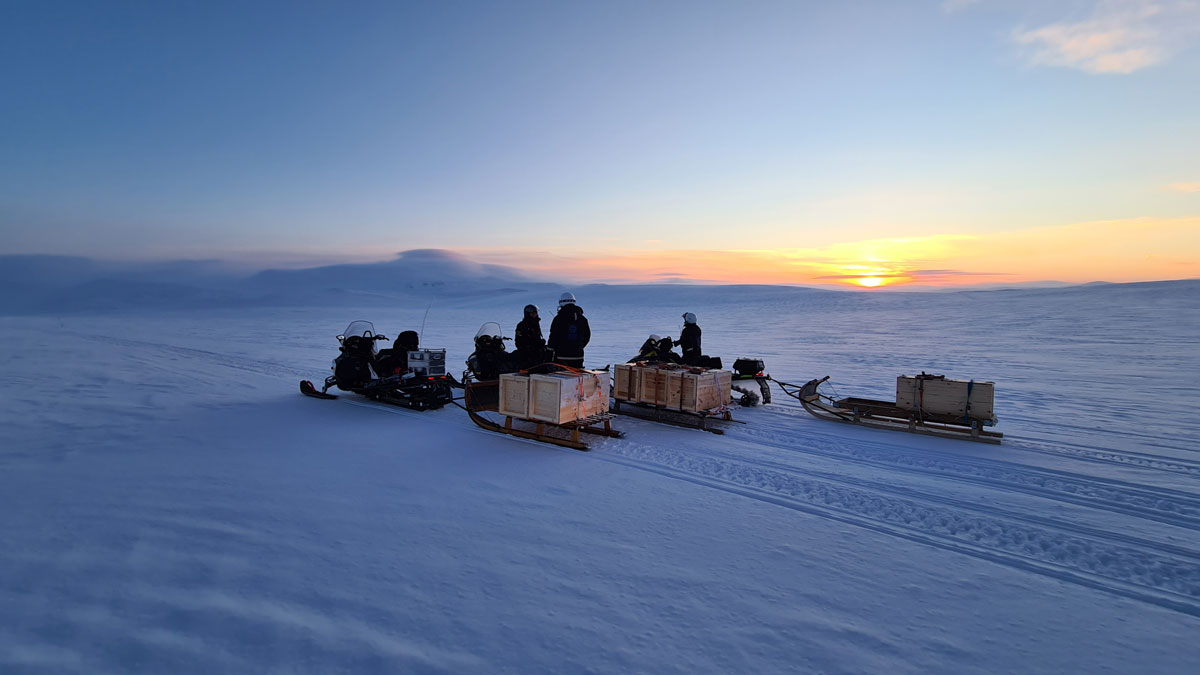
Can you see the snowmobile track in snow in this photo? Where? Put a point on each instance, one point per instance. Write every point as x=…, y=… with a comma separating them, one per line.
x=1061, y=448
x=1120, y=565
x=1158, y=504
x=1154, y=572
x=969, y=505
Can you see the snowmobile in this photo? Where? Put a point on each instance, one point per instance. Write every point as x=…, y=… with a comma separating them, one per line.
x=420, y=383
x=481, y=398
x=911, y=416
x=745, y=369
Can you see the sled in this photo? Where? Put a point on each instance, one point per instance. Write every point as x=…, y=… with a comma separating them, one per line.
x=481, y=397
x=702, y=420
x=887, y=415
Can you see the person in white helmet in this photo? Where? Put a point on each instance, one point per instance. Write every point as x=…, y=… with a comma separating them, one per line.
x=656, y=349
x=689, y=341
x=569, y=332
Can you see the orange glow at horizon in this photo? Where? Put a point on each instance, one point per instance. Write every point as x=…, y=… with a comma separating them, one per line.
x=1142, y=249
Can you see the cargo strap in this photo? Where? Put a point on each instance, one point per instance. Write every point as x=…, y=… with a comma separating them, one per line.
x=967, y=409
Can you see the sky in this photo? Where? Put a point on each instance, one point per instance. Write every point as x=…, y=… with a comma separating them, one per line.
x=872, y=144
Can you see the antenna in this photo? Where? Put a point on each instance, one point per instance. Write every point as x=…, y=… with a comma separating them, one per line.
x=421, y=337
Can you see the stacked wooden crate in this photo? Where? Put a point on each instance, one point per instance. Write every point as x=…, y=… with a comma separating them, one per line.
x=673, y=386
x=968, y=399
x=557, y=398
x=625, y=382
x=514, y=395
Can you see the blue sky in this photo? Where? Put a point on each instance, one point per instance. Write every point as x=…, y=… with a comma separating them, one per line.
x=361, y=129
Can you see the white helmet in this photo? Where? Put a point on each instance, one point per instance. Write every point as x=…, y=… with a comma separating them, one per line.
x=655, y=337
x=688, y=317
x=566, y=299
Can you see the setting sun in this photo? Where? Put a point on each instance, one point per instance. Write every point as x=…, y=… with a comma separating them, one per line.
x=869, y=282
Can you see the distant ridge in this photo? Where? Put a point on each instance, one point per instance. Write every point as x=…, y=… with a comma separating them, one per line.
x=40, y=284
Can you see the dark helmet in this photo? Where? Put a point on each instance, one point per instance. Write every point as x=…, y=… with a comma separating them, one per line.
x=665, y=344
x=407, y=340
x=531, y=311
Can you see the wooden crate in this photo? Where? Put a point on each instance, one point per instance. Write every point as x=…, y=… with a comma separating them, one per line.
x=713, y=389
x=693, y=391
x=625, y=382
x=514, y=395
x=565, y=397
x=594, y=399
x=947, y=397
x=652, y=385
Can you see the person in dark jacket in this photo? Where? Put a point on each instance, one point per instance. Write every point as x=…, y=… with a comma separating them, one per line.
x=665, y=354
x=394, y=361
x=569, y=332
x=689, y=341
x=648, y=351
x=530, y=345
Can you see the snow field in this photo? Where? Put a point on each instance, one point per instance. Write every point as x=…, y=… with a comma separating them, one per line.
x=191, y=512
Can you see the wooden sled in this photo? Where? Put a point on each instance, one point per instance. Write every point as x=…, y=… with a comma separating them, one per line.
x=703, y=420
x=484, y=397
x=886, y=415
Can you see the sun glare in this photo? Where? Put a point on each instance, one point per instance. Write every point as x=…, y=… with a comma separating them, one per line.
x=869, y=282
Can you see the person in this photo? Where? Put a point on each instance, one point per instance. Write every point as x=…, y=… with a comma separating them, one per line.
x=656, y=350
x=665, y=355
x=569, y=332
x=648, y=351
x=395, y=360
x=530, y=345
x=689, y=340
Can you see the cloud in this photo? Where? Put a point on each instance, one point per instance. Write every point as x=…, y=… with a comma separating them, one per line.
x=1140, y=249
x=1184, y=187
x=925, y=275
x=1120, y=36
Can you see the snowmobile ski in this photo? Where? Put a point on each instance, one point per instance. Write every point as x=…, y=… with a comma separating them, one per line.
x=308, y=389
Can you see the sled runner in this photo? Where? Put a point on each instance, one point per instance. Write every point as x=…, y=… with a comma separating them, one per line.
x=705, y=420
x=939, y=415
x=411, y=378
x=483, y=398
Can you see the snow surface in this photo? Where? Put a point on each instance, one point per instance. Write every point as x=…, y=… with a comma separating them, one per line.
x=170, y=503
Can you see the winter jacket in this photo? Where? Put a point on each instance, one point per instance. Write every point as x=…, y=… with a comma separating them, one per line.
x=569, y=332
x=528, y=336
x=689, y=342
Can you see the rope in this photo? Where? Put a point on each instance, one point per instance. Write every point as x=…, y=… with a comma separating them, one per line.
x=967, y=409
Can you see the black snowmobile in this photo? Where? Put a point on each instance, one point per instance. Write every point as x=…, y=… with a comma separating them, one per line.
x=490, y=359
x=752, y=369
x=405, y=375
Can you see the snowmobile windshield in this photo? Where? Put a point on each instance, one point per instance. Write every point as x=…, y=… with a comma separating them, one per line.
x=360, y=329
x=490, y=328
